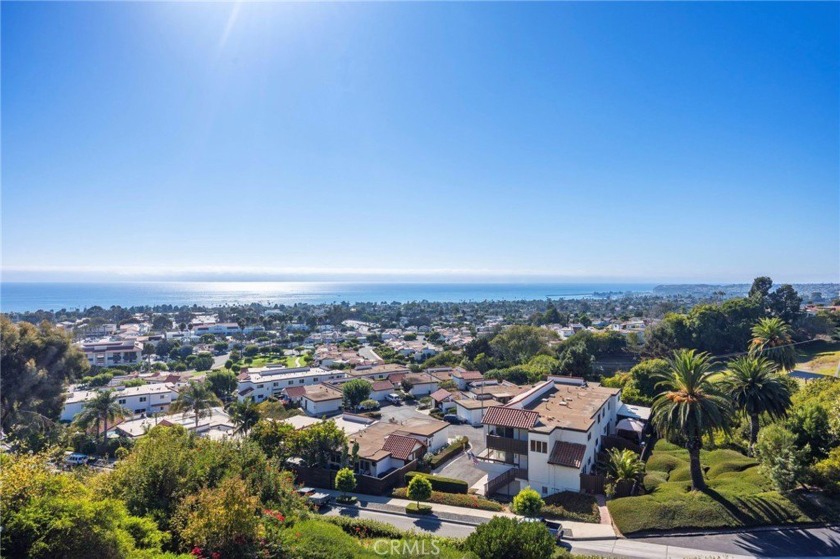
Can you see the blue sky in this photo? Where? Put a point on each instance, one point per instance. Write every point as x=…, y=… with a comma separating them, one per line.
x=649, y=141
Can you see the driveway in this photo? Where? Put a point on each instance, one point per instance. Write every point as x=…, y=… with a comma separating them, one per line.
x=367, y=352
x=460, y=467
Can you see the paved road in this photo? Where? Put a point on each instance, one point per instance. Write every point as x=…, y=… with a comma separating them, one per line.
x=425, y=524
x=811, y=542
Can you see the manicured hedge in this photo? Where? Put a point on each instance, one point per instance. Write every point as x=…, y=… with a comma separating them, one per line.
x=440, y=483
x=455, y=500
x=446, y=454
x=568, y=505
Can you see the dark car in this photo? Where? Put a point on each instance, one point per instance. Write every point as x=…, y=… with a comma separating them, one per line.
x=452, y=418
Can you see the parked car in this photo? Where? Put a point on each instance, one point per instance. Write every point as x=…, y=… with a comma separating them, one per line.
x=394, y=398
x=554, y=527
x=452, y=418
x=315, y=498
x=75, y=459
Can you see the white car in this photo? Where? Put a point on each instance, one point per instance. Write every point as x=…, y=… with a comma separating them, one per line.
x=75, y=459
x=394, y=398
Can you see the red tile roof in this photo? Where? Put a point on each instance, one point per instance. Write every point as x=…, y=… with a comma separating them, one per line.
x=510, y=417
x=567, y=454
x=440, y=395
x=382, y=385
x=295, y=391
x=468, y=375
x=399, y=446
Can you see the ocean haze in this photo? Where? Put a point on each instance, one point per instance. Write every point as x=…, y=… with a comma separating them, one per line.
x=23, y=296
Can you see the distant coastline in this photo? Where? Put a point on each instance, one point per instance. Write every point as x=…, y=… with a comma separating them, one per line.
x=53, y=296
x=21, y=296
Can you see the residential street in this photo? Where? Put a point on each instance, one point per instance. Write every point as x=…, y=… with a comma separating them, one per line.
x=426, y=524
x=811, y=542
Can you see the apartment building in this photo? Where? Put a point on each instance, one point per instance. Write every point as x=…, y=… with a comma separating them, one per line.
x=547, y=436
x=107, y=353
x=147, y=399
x=264, y=382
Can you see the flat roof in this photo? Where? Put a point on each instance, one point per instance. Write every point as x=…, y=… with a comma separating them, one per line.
x=570, y=407
x=321, y=393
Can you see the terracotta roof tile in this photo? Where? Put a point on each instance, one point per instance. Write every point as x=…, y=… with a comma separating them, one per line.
x=510, y=417
x=295, y=391
x=567, y=454
x=382, y=385
x=399, y=446
x=440, y=395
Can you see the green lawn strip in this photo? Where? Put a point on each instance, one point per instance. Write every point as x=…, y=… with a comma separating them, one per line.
x=819, y=357
x=738, y=495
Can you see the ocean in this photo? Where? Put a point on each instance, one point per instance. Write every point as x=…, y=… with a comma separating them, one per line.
x=18, y=297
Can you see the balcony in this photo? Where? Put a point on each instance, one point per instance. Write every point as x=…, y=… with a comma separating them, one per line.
x=507, y=444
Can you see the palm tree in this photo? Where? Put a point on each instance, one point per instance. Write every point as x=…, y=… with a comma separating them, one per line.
x=244, y=414
x=757, y=389
x=691, y=406
x=196, y=398
x=771, y=338
x=624, y=465
x=101, y=409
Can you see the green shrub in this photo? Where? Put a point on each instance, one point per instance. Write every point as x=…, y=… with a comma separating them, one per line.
x=455, y=500
x=415, y=508
x=653, y=480
x=448, y=453
x=569, y=505
x=442, y=484
x=683, y=473
x=316, y=539
x=663, y=462
x=365, y=528
x=507, y=538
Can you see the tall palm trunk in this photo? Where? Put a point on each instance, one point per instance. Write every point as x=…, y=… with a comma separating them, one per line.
x=753, y=431
x=697, y=481
x=105, y=433
x=196, y=410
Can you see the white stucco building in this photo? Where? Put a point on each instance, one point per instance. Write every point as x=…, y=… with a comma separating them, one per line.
x=107, y=353
x=547, y=436
x=147, y=399
x=261, y=383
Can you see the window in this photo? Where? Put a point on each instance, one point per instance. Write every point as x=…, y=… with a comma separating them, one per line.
x=544, y=489
x=142, y=398
x=291, y=382
x=301, y=381
x=589, y=436
x=539, y=446
x=121, y=402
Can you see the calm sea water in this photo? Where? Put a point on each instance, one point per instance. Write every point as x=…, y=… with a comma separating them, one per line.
x=55, y=296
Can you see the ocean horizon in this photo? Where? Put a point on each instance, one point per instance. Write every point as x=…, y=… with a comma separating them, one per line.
x=53, y=296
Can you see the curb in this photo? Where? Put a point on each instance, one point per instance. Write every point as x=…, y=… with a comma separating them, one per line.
x=460, y=521
x=403, y=515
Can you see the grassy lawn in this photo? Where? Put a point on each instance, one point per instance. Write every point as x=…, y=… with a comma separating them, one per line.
x=819, y=357
x=263, y=360
x=738, y=495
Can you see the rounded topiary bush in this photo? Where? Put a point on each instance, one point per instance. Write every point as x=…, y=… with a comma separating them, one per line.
x=664, y=463
x=653, y=480
x=682, y=473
